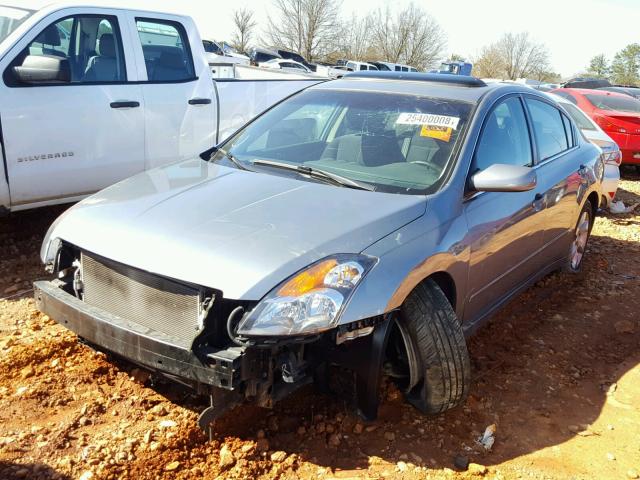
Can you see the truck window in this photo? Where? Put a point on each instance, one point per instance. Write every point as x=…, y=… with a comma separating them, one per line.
x=91, y=43
x=166, y=51
x=11, y=18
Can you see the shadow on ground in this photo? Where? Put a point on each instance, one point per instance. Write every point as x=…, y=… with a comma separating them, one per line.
x=11, y=471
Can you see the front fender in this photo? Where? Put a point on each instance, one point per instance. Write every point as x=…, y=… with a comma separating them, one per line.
x=406, y=258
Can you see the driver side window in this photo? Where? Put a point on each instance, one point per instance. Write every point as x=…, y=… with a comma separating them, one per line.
x=90, y=44
x=505, y=137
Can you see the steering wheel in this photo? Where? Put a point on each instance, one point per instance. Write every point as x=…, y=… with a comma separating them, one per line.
x=428, y=165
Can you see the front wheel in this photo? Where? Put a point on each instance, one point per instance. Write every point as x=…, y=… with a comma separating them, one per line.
x=436, y=349
x=580, y=239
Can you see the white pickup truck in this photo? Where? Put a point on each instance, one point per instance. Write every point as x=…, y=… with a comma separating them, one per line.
x=92, y=95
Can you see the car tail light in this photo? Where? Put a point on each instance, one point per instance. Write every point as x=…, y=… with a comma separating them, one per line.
x=608, y=125
x=612, y=158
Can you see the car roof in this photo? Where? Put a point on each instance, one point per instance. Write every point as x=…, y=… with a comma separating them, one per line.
x=420, y=84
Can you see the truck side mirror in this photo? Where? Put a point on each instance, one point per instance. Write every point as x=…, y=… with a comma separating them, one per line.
x=43, y=69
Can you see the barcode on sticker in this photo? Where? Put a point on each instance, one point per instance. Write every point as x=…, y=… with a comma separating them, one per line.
x=428, y=119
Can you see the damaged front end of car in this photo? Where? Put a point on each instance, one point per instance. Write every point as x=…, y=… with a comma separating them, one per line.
x=233, y=351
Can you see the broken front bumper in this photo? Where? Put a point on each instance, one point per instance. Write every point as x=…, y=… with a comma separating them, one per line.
x=154, y=350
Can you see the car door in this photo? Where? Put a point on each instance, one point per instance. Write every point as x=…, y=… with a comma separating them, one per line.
x=178, y=89
x=505, y=228
x=559, y=175
x=68, y=139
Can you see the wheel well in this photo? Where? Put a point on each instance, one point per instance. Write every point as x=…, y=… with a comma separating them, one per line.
x=447, y=285
x=594, y=198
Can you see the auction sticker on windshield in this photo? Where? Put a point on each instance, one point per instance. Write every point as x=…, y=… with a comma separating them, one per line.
x=428, y=119
x=439, y=133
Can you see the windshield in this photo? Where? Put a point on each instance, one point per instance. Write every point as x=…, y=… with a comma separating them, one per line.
x=396, y=143
x=614, y=102
x=578, y=116
x=11, y=18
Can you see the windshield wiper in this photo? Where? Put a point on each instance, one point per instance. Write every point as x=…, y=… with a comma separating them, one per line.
x=233, y=159
x=316, y=173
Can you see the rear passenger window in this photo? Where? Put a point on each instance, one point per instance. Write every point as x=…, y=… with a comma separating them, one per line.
x=568, y=130
x=166, y=51
x=505, y=137
x=548, y=128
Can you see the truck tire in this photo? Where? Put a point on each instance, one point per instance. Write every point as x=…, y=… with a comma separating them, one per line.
x=441, y=359
x=581, y=235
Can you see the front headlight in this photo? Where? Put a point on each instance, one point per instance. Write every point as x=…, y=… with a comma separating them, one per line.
x=310, y=302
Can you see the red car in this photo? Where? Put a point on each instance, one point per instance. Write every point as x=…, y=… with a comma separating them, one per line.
x=616, y=113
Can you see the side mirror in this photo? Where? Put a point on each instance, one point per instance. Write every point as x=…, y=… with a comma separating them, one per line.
x=43, y=69
x=504, y=178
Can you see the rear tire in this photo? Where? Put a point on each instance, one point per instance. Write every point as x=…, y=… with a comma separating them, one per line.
x=435, y=341
x=580, y=239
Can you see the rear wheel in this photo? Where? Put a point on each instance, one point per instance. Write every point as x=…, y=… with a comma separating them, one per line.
x=433, y=369
x=580, y=239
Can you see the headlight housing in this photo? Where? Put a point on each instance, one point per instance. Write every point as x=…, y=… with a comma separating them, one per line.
x=311, y=301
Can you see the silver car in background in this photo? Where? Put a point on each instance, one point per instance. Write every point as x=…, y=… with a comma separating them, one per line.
x=611, y=154
x=369, y=222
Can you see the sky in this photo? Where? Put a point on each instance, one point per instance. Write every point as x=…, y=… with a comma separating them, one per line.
x=573, y=30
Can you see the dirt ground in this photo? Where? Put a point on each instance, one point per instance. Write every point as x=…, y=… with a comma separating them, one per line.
x=557, y=373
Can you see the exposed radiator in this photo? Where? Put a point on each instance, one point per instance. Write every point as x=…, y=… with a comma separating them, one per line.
x=148, y=300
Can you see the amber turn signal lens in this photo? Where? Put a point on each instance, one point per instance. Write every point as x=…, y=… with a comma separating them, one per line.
x=307, y=280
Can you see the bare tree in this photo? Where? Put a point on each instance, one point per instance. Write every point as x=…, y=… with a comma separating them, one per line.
x=354, y=40
x=490, y=64
x=411, y=36
x=514, y=56
x=521, y=55
x=309, y=27
x=244, y=27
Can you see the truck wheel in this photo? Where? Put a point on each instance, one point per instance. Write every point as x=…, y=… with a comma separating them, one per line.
x=440, y=369
x=580, y=238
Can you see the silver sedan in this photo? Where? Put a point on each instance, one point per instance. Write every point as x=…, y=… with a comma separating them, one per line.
x=370, y=222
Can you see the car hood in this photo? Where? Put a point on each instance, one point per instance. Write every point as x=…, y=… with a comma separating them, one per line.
x=237, y=231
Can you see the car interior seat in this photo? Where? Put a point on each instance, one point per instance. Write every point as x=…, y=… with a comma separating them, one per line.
x=169, y=66
x=50, y=37
x=495, y=146
x=365, y=140
x=103, y=67
x=428, y=150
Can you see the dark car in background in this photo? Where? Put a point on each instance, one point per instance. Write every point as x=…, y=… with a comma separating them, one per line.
x=631, y=91
x=261, y=55
x=289, y=55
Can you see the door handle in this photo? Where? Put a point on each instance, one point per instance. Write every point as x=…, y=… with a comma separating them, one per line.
x=200, y=101
x=124, y=104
